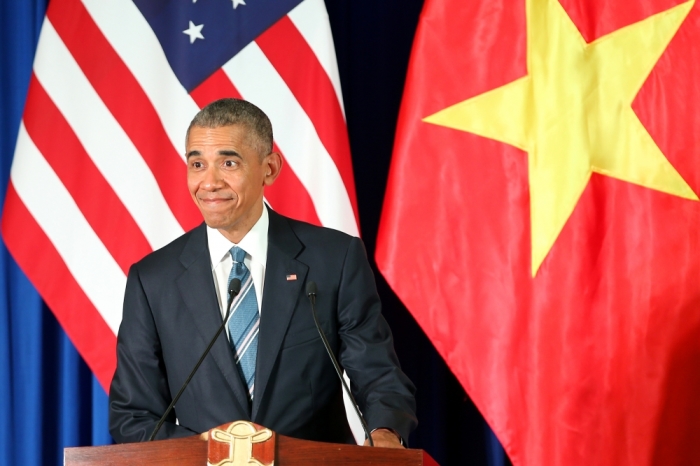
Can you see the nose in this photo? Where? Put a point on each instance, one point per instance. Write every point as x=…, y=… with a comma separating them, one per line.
x=212, y=179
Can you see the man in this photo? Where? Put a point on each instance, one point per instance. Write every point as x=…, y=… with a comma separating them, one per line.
x=271, y=366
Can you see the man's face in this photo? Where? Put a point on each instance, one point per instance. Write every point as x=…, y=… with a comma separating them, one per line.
x=226, y=177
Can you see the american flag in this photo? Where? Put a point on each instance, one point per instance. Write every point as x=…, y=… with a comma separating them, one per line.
x=98, y=177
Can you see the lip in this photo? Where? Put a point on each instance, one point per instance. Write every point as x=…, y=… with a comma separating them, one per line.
x=214, y=199
x=214, y=202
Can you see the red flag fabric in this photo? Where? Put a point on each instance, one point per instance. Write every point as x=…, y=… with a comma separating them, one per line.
x=98, y=177
x=542, y=224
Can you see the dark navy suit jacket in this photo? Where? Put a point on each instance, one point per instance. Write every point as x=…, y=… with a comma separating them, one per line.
x=171, y=313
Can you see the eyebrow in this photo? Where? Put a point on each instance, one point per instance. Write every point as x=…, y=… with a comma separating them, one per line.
x=223, y=153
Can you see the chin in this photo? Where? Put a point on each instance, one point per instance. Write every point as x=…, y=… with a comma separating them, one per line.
x=216, y=222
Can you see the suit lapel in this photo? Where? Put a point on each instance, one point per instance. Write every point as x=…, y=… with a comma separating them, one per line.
x=279, y=298
x=196, y=286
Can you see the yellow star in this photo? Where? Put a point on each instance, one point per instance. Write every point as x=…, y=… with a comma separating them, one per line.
x=573, y=114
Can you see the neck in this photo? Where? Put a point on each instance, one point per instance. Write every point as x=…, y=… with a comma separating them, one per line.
x=237, y=232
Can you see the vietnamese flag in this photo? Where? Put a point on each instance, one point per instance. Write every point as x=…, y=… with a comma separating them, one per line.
x=542, y=221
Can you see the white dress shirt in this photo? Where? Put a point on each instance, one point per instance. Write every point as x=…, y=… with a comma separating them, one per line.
x=254, y=243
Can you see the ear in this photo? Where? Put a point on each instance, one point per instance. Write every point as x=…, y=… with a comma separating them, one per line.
x=272, y=164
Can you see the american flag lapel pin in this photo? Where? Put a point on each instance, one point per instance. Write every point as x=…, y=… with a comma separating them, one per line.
x=291, y=277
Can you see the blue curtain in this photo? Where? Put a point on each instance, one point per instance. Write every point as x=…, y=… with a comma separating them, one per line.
x=49, y=398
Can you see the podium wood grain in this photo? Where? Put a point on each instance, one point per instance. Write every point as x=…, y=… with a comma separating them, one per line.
x=192, y=451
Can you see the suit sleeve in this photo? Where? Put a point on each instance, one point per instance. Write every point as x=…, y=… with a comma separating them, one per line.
x=383, y=391
x=139, y=394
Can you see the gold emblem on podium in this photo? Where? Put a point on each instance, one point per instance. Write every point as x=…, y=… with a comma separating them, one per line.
x=239, y=436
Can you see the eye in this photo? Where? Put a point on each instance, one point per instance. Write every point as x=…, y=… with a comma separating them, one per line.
x=196, y=164
x=230, y=163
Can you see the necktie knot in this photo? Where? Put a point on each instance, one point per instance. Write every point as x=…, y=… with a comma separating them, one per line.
x=237, y=254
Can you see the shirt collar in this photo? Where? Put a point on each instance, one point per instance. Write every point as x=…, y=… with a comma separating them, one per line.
x=254, y=243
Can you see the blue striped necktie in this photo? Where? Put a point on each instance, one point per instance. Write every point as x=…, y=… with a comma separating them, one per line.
x=244, y=323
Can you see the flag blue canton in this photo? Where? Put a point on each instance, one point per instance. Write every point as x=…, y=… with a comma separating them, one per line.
x=226, y=31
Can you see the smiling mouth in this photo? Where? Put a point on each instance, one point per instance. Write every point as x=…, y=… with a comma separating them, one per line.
x=215, y=199
x=214, y=203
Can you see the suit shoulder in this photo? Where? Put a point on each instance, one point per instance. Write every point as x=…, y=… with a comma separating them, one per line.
x=308, y=232
x=168, y=255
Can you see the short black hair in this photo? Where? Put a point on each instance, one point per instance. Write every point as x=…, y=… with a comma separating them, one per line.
x=228, y=112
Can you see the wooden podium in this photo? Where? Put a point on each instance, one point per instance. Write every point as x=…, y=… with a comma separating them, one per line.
x=242, y=443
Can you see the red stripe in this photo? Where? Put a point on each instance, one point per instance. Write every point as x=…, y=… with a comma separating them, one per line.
x=95, y=198
x=215, y=87
x=79, y=318
x=129, y=104
x=289, y=53
x=287, y=196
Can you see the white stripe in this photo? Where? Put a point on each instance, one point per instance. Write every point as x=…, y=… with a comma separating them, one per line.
x=295, y=135
x=250, y=337
x=311, y=19
x=247, y=339
x=244, y=289
x=135, y=42
x=104, y=140
x=59, y=217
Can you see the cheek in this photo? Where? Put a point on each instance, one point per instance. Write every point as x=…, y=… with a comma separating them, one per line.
x=234, y=183
x=192, y=184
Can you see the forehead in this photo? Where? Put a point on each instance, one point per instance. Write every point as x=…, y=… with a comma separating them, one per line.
x=233, y=136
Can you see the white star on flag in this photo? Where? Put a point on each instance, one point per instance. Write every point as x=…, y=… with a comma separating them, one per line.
x=195, y=32
x=237, y=2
